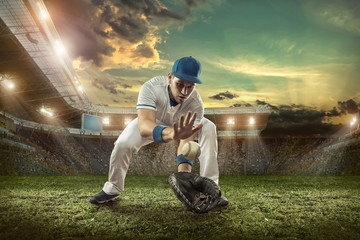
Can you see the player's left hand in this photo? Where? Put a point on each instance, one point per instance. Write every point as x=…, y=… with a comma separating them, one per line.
x=184, y=129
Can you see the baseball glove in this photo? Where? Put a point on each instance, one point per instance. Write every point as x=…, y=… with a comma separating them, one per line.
x=198, y=194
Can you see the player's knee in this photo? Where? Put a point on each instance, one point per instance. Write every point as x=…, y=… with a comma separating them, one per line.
x=123, y=145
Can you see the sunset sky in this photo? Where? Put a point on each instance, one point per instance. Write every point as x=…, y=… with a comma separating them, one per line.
x=300, y=56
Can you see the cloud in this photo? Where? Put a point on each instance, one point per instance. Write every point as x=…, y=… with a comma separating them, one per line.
x=266, y=78
x=334, y=112
x=241, y=105
x=73, y=20
x=114, y=33
x=341, y=14
x=224, y=95
x=105, y=83
x=260, y=103
x=348, y=106
x=299, y=113
x=132, y=20
x=192, y=3
x=282, y=45
x=126, y=85
x=102, y=91
x=103, y=88
x=259, y=67
x=297, y=119
x=300, y=120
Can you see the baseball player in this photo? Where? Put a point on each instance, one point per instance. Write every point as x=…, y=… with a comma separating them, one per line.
x=168, y=108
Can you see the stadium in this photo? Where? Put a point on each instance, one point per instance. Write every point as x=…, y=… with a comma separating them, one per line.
x=55, y=146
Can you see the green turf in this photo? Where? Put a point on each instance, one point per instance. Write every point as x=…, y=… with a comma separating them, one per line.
x=260, y=208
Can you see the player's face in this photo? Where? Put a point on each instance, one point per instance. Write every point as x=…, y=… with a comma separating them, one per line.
x=180, y=89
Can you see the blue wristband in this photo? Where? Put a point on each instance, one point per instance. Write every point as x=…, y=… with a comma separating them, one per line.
x=157, y=133
x=181, y=159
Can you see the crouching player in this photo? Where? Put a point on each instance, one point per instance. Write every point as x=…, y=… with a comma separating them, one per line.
x=168, y=108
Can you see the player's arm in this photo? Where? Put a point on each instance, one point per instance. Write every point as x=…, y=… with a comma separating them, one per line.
x=148, y=127
x=147, y=123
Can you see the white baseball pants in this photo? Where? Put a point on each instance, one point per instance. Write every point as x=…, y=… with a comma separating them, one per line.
x=130, y=141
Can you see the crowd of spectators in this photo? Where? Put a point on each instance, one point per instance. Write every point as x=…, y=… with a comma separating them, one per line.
x=19, y=157
x=35, y=152
x=338, y=158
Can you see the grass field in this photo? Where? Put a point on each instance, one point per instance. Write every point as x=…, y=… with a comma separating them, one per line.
x=260, y=208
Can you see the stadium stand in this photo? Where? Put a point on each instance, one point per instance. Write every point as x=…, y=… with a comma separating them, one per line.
x=30, y=151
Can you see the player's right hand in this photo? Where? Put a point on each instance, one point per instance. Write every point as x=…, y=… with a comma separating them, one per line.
x=184, y=129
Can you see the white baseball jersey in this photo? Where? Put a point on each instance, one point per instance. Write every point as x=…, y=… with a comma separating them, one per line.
x=154, y=94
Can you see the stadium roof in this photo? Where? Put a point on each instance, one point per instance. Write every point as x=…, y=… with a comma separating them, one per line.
x=39, y=39
x=41, y=78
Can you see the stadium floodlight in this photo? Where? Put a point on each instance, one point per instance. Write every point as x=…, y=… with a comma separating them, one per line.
x=10, y=85
x=353, y=121
x=6, y=82
x=231, y=121
x=81, y=88
x=46, y=112
x=59, y=47
x=106, y=120
x=43, y=13
x=251, y=120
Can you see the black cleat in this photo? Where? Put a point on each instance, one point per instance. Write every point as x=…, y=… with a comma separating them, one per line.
x=102, y=197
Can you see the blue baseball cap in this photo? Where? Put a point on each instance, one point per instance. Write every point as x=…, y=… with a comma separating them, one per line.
x=188, y=69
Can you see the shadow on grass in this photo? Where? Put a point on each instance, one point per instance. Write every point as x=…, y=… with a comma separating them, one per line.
x=113, y=221
x=121, y=220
